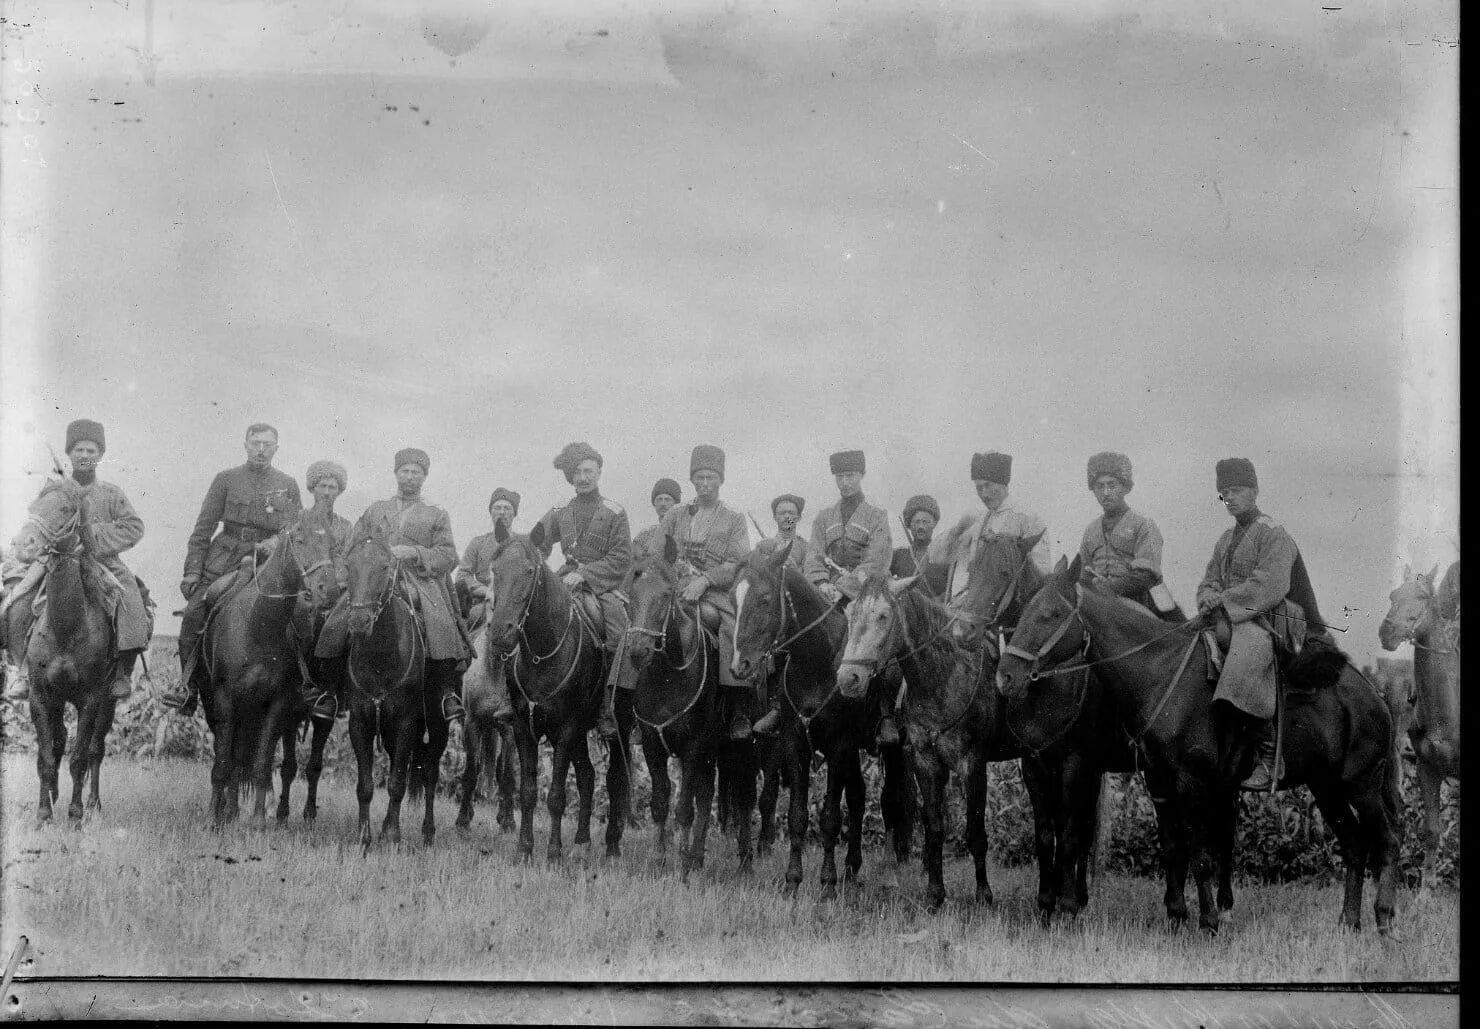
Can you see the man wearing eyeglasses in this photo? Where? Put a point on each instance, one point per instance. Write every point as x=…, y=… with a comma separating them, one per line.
x=245, y=508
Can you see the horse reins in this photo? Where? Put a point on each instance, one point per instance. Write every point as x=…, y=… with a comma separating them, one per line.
x=702, y=648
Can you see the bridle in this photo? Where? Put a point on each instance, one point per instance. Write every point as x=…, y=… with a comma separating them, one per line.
x=509, y=654
x=303, y=592
x=660, y=636
x=1446, y=627
x=1000, y=605
x=786, y=611
x=660, y=645
x=377, y=607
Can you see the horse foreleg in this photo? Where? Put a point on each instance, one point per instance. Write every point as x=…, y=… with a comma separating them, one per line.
x=1171, y=831
x=705, y=774
x=832, y=823
x=505, y=768
x=741, y=788
x=401, y=744
x=899, y=799
x=223, y=767
x=529, y=784
x=98, y=749
x=930, y=778
x=1202, y=807
x=362, y=739
x=431, y=773
x=661, y=794
x=768, y=762
x=798, y=757
x=975, y=775
x=685, y=813
x=1046, y=797
x=1343, y=823
x=854, y=794
x=474, y=741
x=46, y=752
x=585, y=773
x=268, y=733
x=315, y=766
x=618, y=789
x=1430, y=781
x=1227, y=837
x=288, y=770
x=87, y=717
x=1083, y=786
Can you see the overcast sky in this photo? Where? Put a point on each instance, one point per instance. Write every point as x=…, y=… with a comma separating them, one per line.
x=917, y=229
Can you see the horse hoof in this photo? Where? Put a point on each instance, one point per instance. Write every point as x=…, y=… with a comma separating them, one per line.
x=984, y=897
x=934, y=904
x=613, y=851
x=426, y=838
x=829, y=893
x=789, y=889
x=310, y=813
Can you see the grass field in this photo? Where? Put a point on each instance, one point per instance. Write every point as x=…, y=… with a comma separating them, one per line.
x=146, y=888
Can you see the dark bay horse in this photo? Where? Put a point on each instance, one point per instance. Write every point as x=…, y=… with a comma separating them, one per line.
x=69, y=655
x=553, y=659
x=254, y=669
x=391, y=698
x=678, y=706
x=1064, y=747
x=1338, y=738
x=1418, y=614
x=780, y=616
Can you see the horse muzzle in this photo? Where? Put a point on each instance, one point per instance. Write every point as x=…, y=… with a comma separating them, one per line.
x=853, y=677
x=1012, y=684
x=1390, y=635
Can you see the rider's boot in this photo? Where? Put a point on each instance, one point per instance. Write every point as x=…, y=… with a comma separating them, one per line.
x=451, y=688
x=1264, y=775
x=740, y=697
x=181, y=696
x=123, y=677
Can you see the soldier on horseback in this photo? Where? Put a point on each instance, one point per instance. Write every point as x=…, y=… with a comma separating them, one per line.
x=419, y=535
x=991, y=473
x=250, y=504
x=921, y=515
x=1121, y=549
x=787, y=510
x=649, y=542
x=109, y=526
x=850, y=539
x=712, y=541
x=470, y=577
x=596, y=542
x=1257, y=595
x=326, y=480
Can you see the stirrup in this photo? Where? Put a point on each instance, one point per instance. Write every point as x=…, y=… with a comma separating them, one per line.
x=452, y=708
x=888, y=734
x=322, y=705
x=739, y=727
x=178, y=698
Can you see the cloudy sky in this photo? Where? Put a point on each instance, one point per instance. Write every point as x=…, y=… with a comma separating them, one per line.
x=918, y=229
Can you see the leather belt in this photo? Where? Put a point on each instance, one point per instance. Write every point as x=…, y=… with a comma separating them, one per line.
x=245, y=533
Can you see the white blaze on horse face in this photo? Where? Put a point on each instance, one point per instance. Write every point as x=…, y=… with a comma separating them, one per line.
x=869, y=622
x=742, y=590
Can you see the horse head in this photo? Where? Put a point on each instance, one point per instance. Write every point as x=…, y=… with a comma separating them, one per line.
x=371, y=571
x=1049, y=631
x=761, y=609
x=876, y=632
x=1411, y=609
x=310, y=546
x=999, y=580
x=515, y=571
x=53, y=523
x=654, y=590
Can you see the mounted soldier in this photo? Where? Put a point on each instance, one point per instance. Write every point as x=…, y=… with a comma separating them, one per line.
x=109, y=526
x=596, y=542
x=850, y=539
x=649, y=542
x=921, y=516
x=250, y=504
x=326, y=480
x=712, y=541
x=419, y=535
x=787, y=510
x=1257, y=595
x=471, y=576
x=1121, y=550
x=991, y=474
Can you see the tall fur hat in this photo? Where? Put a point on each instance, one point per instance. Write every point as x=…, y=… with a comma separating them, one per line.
x=992, y=466
x=574, y=454
x=669, y=487
x=846, y=461
x=321, y=470
x=706, y=456
x=1236, y=471
x=1108, y=462
x=85, y=429
x=922, y=502
x=413, y=455
x=798, y=501
x=504, y=494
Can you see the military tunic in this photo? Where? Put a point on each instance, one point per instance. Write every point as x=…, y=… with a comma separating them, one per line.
x=1250, y=568
x=712, y=543
x=1125, y=553
x=647, y=543
x=428, y=528
x=477, y=559
x=596, y=541
x=249, y=506
x=860, y=545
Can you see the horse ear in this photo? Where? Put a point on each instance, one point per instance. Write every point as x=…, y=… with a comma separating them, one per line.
x=501, y=531
x=1074, y=569
x=537, y=535
x=1026, y=545
x=670, y=549
x=1433, y=575
x=1063, y=564
x=898, y=586
x=779, y=555
x=1407, y=572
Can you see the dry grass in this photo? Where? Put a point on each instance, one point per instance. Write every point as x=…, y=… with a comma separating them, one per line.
x=146, y=888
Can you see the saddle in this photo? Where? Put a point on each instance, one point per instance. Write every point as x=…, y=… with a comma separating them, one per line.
x=589, y=607
x=708, y=615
